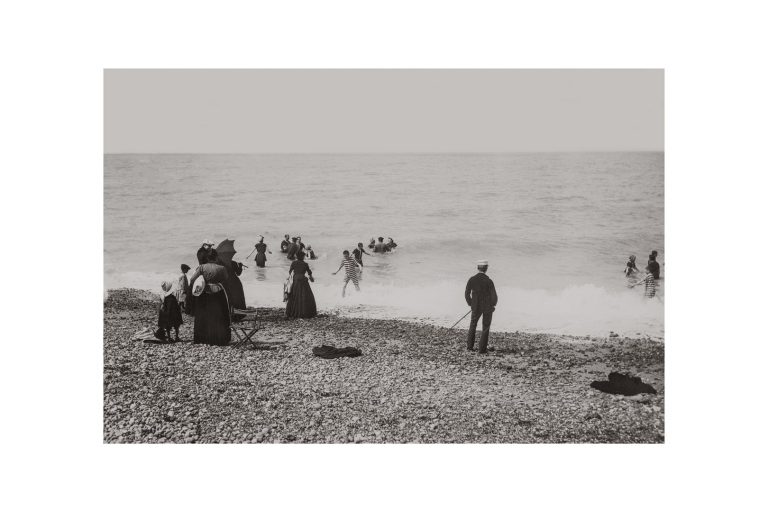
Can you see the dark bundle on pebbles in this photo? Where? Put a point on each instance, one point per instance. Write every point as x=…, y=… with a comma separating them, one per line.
x=620, y=384
x=415, y=383
x=330, y=352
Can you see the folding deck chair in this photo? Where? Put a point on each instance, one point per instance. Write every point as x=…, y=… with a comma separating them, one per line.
x=245, y=324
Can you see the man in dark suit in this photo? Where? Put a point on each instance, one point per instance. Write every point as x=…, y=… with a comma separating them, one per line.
x=481, y=297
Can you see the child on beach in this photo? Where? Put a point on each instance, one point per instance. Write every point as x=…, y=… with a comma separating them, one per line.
x=182, y=287
x=650, y=284
x=350, y=268
x=169, y=314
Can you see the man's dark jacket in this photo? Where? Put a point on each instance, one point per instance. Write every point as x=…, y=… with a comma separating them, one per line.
x=480, y=293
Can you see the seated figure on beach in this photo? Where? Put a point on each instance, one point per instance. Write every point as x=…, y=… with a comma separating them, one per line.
x=350, y=272
x=169, y=315
x=211, y=306
x=301, y=300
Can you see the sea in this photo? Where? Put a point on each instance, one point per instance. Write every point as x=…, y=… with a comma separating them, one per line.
x=556, y=229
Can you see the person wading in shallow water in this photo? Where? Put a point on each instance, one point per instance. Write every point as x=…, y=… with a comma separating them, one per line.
x=350, y=269
x=480, y=295
x=261, y=253
x=631, y=267
x=285, y=244
x=650, y=283
x=653, y=265
x=358, y=254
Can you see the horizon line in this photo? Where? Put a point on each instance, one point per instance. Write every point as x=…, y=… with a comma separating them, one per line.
x=378, y=152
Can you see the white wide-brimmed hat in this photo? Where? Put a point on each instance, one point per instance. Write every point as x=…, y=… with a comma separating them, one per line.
x=167, y=287
x=199, y=286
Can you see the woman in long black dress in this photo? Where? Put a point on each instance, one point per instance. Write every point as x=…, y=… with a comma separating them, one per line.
x=301, y=300
x=203, y=251
x=211, y=307
x=261, y=253
x=233, y=285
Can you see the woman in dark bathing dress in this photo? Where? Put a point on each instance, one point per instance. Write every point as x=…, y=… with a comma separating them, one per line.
x=261, y=253
x=301, y=300
x=211, y=307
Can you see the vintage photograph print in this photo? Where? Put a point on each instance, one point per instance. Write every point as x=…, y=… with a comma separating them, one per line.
x=384, y=256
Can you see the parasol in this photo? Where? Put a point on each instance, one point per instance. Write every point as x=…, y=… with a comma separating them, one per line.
x=226, y=250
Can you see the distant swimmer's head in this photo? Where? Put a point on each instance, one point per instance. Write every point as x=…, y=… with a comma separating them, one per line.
x=184, y=268
x=631, y=257
x=381, y=239
x=390, y=240
x=482, y=265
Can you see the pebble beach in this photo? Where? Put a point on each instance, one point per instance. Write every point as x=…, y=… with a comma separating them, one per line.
x=414, y=383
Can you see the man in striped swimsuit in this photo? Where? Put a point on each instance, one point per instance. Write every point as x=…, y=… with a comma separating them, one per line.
x=650, y=283
x=350, y=268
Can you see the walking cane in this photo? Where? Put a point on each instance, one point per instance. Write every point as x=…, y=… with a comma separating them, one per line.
x=459, y=320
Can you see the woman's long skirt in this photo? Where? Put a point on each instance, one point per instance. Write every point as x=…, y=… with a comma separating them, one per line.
x=212, y=319
x=235, y=292
x=301, y=300
x=261, y=259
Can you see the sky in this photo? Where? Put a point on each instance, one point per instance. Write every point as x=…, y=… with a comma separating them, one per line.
x=382, y=111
